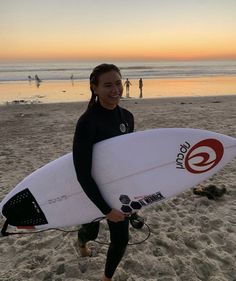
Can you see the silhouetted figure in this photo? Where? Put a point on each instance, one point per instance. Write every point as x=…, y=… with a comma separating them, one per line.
x=140, y=85
x=127, y=85
x=72, y=79
x=37, y=80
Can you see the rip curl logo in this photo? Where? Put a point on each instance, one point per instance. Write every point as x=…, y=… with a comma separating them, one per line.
x=202, y=157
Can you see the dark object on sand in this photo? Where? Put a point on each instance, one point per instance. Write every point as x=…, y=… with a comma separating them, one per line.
x=211, y=191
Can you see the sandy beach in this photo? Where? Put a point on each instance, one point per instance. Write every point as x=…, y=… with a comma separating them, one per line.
x=192, y=238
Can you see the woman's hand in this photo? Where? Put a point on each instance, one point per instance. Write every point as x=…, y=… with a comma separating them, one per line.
x=115, y=216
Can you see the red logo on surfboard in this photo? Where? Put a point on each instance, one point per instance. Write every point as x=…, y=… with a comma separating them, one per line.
x=204, y=156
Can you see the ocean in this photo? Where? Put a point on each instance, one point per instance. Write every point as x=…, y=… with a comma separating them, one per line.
x=56, y=71
x=68, y=81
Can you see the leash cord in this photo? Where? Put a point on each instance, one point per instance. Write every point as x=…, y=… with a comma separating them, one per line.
x=4, y=233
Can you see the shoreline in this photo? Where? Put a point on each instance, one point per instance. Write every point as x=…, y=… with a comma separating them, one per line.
x=124, y=101
x=192, y=238
x=72, y=91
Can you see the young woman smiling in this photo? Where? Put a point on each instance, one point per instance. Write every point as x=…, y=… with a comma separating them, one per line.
x=103, y=119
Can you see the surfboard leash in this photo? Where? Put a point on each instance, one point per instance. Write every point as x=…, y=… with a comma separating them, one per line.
x=133, y=243
x=4, y=229
x=136, y=225
x=4, y=232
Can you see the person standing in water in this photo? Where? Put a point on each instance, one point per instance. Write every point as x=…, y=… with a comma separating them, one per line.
x=127, y=86
x=140, y=85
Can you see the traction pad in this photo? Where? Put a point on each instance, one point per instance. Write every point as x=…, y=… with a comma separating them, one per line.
x=23, y=210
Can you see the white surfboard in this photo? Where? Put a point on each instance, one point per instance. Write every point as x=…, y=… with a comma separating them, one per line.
x=132, y=171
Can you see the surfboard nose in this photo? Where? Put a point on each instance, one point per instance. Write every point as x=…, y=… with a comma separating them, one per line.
x=23, y=210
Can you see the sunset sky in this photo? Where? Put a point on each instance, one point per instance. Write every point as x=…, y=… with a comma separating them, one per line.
x=117, y=29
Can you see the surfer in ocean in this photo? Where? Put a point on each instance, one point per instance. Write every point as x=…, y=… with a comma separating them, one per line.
x=103, y=119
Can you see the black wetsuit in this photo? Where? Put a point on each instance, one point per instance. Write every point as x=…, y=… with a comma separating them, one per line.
x=95, y=125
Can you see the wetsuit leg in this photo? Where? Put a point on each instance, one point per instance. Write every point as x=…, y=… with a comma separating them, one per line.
x=119, y=236
x=88, y=232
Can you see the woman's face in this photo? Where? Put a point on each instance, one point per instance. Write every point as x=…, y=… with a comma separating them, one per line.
x=109, y=89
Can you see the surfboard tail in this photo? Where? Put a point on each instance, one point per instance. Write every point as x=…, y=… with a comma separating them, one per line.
x=23, y=211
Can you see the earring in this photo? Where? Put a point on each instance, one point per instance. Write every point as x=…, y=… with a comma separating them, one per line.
x=95, y=97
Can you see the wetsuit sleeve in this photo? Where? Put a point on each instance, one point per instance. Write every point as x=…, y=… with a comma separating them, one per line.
x=82, y=157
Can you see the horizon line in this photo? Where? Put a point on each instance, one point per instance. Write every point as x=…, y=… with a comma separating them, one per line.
x=19, y=60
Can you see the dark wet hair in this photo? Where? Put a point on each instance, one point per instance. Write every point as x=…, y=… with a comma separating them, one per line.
x=94, y=77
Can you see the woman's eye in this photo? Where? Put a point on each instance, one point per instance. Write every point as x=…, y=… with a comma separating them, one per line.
x=107, y=85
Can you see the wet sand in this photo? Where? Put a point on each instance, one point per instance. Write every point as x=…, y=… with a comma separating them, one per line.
x=77, y=90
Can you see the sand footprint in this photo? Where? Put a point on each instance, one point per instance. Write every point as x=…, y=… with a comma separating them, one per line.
x=216, y=224
x=223, y=257
x=218, y=237
x=202, y=268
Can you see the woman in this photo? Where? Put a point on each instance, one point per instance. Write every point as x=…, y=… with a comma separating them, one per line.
x=103, y=119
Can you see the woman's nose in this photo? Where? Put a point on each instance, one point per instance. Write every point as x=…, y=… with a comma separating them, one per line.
x=115, y=89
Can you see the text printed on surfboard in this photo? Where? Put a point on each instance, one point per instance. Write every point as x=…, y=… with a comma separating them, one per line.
x=200, y=157
x=129, y=205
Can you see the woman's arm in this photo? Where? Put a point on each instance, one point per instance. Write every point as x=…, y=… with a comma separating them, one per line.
x=82, y=157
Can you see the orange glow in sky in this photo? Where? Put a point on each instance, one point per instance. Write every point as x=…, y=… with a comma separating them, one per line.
x=133, y=29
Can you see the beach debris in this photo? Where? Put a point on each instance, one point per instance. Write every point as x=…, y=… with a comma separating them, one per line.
x=211, y=191
x=19, y=101
x=22, y=102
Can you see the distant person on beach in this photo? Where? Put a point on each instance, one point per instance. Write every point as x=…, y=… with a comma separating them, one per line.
x=37, y=80
x=103, y=119
x=140, y=85
x=30, y=78
x=127, y=85
x=72, y=79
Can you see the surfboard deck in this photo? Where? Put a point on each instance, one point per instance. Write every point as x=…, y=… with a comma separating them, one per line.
x=133, y=171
